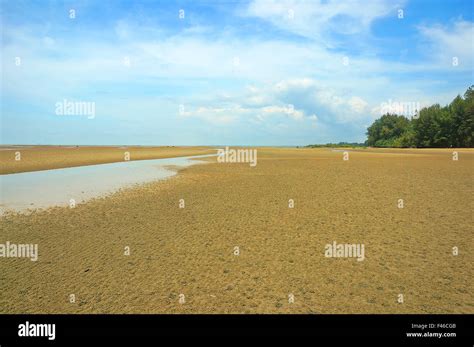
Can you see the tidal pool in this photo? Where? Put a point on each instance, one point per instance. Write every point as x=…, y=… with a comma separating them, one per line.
x=42, y=189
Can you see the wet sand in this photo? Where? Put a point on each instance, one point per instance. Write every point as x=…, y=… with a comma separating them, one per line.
x=34, y=158
x=22, y=192
x=190, y=250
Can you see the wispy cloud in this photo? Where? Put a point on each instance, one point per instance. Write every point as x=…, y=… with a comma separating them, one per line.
x=318, y=19
x=281, y=65
x=448, y=42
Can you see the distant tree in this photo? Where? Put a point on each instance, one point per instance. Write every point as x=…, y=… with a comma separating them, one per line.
x=465, y=119
x=456, y=110
x=385, y=131
x=407, y=139
x=435, y=126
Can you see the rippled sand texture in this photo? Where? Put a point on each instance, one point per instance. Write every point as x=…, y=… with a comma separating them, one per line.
x=190, y=251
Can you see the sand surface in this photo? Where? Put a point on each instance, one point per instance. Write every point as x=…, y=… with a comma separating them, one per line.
x=34, y=158
x=190, y=250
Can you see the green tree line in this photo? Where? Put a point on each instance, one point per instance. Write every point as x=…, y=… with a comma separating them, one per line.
x=434, y=126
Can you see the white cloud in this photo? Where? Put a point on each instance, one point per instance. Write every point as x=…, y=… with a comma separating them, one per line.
x=288, y=110
x=316, y=97
x=446, y=43
x=271, y=74
x=215, y=115
x=314, y=18
x=290, y=100
x=224, y=115
x=357, y=104
x=62, y=66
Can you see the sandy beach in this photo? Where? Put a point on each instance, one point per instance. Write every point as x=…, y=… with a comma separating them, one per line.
x=184, y=260
x=34, y=158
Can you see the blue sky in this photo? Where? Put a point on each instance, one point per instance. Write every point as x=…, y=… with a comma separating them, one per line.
x=255, y=72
